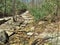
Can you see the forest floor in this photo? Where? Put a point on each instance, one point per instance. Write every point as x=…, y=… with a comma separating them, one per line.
x=27, y=31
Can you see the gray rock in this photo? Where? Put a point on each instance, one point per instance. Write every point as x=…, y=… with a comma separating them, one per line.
x=3, y=37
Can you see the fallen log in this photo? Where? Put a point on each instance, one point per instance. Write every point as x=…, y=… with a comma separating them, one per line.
x=3, y=20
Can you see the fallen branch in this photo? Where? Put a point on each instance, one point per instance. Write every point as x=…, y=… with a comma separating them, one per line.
x=3, y=21
x=42, y=41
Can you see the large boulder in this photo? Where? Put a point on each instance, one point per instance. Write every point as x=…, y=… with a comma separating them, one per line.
x=3, y=37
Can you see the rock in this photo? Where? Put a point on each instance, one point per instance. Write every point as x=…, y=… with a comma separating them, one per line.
x=32, y=28
x=30, y=33
x=41, y=22
x=9, y=33
x=3, y=37
x=25, y=13
x=19, y=19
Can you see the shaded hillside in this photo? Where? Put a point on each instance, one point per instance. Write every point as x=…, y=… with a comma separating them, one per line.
x=4, y=15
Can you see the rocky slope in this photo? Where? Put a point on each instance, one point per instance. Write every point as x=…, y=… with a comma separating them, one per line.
x=29, y=32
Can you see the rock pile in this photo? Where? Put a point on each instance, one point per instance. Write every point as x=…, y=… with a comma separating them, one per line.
x=21, y=21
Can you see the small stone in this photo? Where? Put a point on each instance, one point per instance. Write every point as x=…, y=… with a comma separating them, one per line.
x=9, y=33
x=30, y=33
x=32, y=28
x=41, y=22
